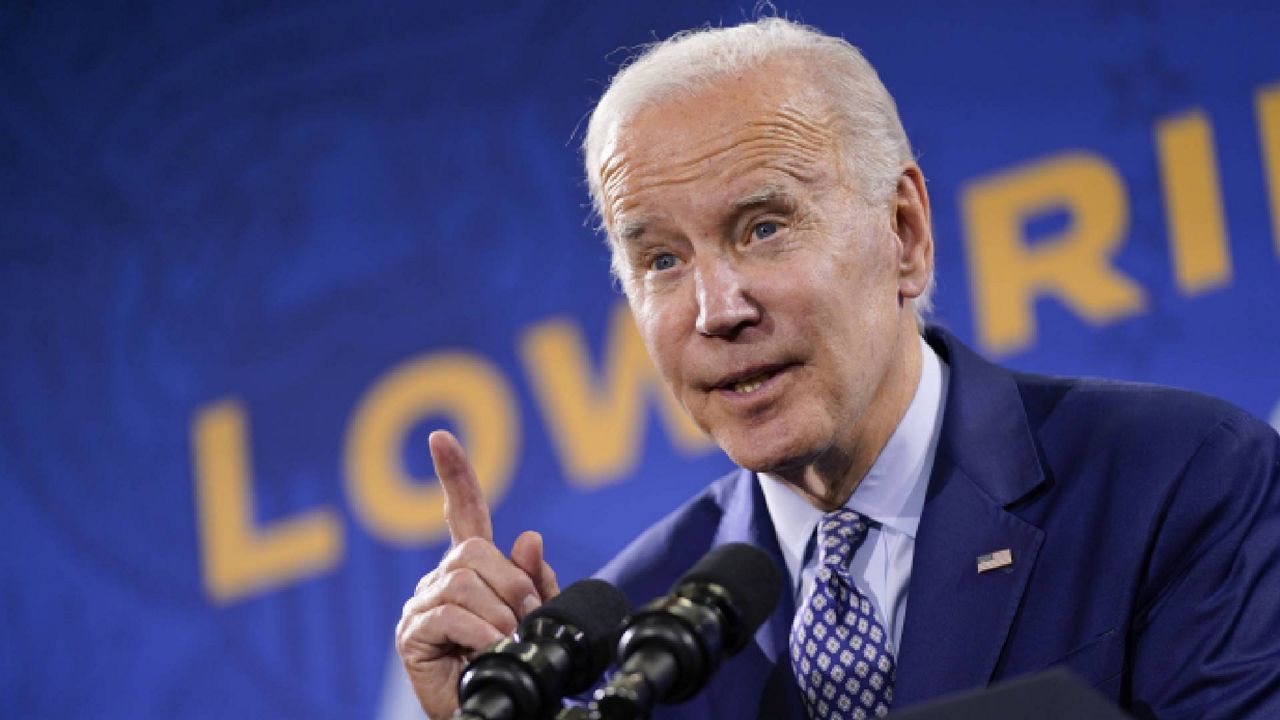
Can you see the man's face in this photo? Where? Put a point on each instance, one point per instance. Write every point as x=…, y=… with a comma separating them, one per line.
x=765, y=287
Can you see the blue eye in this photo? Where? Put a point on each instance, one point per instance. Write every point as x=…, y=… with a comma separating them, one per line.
x=764, y=230
x=665, y=261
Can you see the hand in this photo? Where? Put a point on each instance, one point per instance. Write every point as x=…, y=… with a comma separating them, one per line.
x=476, y=595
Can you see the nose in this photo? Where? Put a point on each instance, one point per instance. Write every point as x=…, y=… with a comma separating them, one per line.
x=725, y=307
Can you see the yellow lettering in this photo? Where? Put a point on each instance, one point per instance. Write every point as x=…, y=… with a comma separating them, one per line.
x=1007, y=274
x=464, y=387
x=238, y=558
x=596, y=422
x=1193, y=202
x=1268, y=104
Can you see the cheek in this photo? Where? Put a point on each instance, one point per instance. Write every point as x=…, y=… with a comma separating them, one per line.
x=867, y=277
x=658, y=323
x=850, y=312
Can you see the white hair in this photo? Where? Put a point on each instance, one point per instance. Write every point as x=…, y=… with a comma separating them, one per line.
x=690, y=61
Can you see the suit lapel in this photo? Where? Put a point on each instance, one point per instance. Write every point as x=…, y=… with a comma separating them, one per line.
x=958, y=619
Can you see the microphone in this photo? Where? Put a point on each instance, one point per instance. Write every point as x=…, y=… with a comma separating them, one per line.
x=670, y=647
x=559, y=649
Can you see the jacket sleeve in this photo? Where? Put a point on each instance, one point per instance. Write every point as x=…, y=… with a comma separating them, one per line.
x=1205, y=636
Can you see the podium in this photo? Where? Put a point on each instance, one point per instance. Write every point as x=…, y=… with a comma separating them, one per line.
x=1055, y=694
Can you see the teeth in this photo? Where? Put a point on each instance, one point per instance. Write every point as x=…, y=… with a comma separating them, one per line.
x=751, y=384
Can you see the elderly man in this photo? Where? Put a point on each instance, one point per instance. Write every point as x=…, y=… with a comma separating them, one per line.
x=944, y=523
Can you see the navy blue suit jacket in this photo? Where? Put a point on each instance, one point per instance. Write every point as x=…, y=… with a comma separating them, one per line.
x=1144, y=524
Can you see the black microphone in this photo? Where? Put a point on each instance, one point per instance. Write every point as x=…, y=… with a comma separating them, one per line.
x=561, y=648
x=670, y=647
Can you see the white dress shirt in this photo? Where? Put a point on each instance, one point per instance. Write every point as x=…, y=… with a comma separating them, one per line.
x=891, y=496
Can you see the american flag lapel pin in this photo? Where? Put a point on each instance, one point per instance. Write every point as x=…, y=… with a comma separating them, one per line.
x=995, y=560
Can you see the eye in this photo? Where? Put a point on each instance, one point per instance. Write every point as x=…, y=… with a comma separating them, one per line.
x=764, y=230
x=665, y=261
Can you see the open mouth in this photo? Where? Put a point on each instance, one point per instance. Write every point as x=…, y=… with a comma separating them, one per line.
x=752, y=380
x=752, y=383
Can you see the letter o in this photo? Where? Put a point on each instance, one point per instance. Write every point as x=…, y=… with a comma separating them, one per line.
x=463, y=386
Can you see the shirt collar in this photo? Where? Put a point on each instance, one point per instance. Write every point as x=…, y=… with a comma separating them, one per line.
x=892, y=493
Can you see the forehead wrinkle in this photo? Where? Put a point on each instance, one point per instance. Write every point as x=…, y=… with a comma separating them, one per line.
x=800, y=126
x=774, y=153
x=788, y=140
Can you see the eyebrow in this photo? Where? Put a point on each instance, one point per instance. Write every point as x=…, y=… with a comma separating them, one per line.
x=631, y=230
x=764, y=196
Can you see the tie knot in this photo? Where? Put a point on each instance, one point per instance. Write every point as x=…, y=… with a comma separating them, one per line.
x=839, y=534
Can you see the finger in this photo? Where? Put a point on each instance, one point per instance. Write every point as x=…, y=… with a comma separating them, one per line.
x=443, y=630
x=507, y=581
x=465, y=510
x=547, y=584
x=426, y=581
x=527, y=554
x=465, y=589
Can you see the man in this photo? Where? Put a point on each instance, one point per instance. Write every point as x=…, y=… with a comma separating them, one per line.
x=772, y=234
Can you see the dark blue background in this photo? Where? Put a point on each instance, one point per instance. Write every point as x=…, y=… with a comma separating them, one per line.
x=282, y=201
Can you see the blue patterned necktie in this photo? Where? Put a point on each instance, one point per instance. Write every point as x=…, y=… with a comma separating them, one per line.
x=841, y=654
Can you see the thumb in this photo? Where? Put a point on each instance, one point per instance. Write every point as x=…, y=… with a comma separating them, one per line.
x=526, y=553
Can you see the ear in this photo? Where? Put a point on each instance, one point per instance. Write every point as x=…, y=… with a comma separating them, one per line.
x=914, y=228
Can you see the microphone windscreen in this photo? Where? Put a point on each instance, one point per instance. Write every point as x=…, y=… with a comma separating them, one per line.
x=594, y=607
x=747, y=573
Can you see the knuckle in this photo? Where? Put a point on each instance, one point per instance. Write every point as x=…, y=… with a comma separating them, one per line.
x=409, y=630
x=517, y=587
x=471, y=550
x=426, y=581
x=506, y=623
x=439, y=618
x=460, y=582
x=400, y=635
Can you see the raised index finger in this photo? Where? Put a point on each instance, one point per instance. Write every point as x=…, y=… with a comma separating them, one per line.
x=465, y=510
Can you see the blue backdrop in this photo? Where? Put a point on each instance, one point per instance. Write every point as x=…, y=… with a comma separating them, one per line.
x=253, y=252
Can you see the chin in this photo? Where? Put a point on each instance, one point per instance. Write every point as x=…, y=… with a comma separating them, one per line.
x=767, y=449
